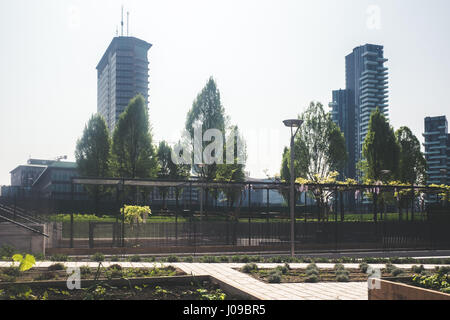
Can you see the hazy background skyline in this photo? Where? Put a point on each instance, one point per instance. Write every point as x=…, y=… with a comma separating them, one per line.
x=269, y=59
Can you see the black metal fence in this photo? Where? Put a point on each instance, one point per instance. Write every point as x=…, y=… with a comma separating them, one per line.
x=255, y=215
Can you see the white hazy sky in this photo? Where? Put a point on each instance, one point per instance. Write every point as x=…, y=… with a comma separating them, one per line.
x=269, y=58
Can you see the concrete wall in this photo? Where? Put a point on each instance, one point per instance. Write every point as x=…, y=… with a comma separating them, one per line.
x=389, y=290
x=22, y=239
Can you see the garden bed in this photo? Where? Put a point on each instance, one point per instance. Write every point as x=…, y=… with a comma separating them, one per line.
x=284, y=274
x=109, y=283
x=58, y=271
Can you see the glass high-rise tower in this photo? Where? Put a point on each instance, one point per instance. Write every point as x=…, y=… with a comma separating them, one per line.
x=437, y=150
x=366, y=81
x=122, y=73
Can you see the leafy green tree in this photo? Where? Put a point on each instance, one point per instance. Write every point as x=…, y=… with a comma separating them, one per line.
x=207, y=112
x=169, y=170
x=133, y=153
x=319, y=145
x=412, y=162
x=233, y=172
x=380, y=149
x=93, y=154
x=381, y=152
x=319, y=152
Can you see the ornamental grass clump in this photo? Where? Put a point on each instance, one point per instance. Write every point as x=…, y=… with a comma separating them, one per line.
x=363, y=267
x=282, y=269
x=249, y=268
x=312, y=273
x=275, y=276
x=342, y=275
x=418, y=269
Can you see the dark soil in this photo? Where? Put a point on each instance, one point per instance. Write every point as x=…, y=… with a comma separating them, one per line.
x=103, y=291
x=39, y=274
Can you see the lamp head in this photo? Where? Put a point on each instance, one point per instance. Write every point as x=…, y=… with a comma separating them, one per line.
x=293, y=123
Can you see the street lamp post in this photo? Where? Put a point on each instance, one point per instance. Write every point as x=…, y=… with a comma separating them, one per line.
x=201, y=166
x=292, y=123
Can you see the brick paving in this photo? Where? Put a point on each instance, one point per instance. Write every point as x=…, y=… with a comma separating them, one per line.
x=226, y=273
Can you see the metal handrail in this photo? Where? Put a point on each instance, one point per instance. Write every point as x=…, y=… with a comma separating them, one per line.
x=23, y=226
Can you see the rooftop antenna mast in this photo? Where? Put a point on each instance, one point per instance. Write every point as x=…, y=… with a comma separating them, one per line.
x=128, y=16
x=121, y=24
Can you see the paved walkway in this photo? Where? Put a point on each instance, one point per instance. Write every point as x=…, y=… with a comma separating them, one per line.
x=226, y=273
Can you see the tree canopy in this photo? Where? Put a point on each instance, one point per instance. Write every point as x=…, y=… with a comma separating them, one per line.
x=380, y=149
x=412, y=164
x=93, y=149
x=206, y=113
x=319, y=146
x=133, y=153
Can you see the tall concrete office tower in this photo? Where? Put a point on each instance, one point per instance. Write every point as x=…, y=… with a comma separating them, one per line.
x=366, y=81
x=122, y=73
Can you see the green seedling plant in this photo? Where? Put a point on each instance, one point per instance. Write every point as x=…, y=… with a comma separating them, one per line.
x=25, y=263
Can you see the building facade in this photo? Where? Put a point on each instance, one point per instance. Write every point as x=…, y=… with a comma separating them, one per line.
x=366, y=81
x=49, y=179
x=437, y=150
x=122, y=73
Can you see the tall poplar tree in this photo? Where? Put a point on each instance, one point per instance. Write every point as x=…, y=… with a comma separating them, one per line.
x=133, y=153
x=380, y=149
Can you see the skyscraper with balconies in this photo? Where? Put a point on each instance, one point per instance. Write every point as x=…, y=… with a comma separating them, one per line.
x=366, y=80
x=437, y=150
x=122, y=73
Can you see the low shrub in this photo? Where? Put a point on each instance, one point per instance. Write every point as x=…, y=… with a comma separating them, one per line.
x=188, y=259
x=56, y=267
x=249, y=268
x=115, y=266
x=7, y=251
x=274, y=276
x=363, y=267
x=149, y=259
x=135, y=258
x=46, y=276
x=282, y=269
x=59, y=258
x=276, y=259
x=255, y=259
x=342, y=277
x=85, y=270
x=389, y=267
x=312, y=266
x=98, y=257
x=396, y=272
x=39, y=256
x=312, y=278
x=208, y=259
x=11, y=271
x=224, y=259
x=418, y=269
x=115, y=258
x=443, y=270
x=236, y=259
x=339, y=266
x=245, y=259
x=312, y=272
x=172, y=259
x=342, y=271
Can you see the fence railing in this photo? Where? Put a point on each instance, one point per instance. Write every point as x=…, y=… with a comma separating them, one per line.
x=253, y=216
